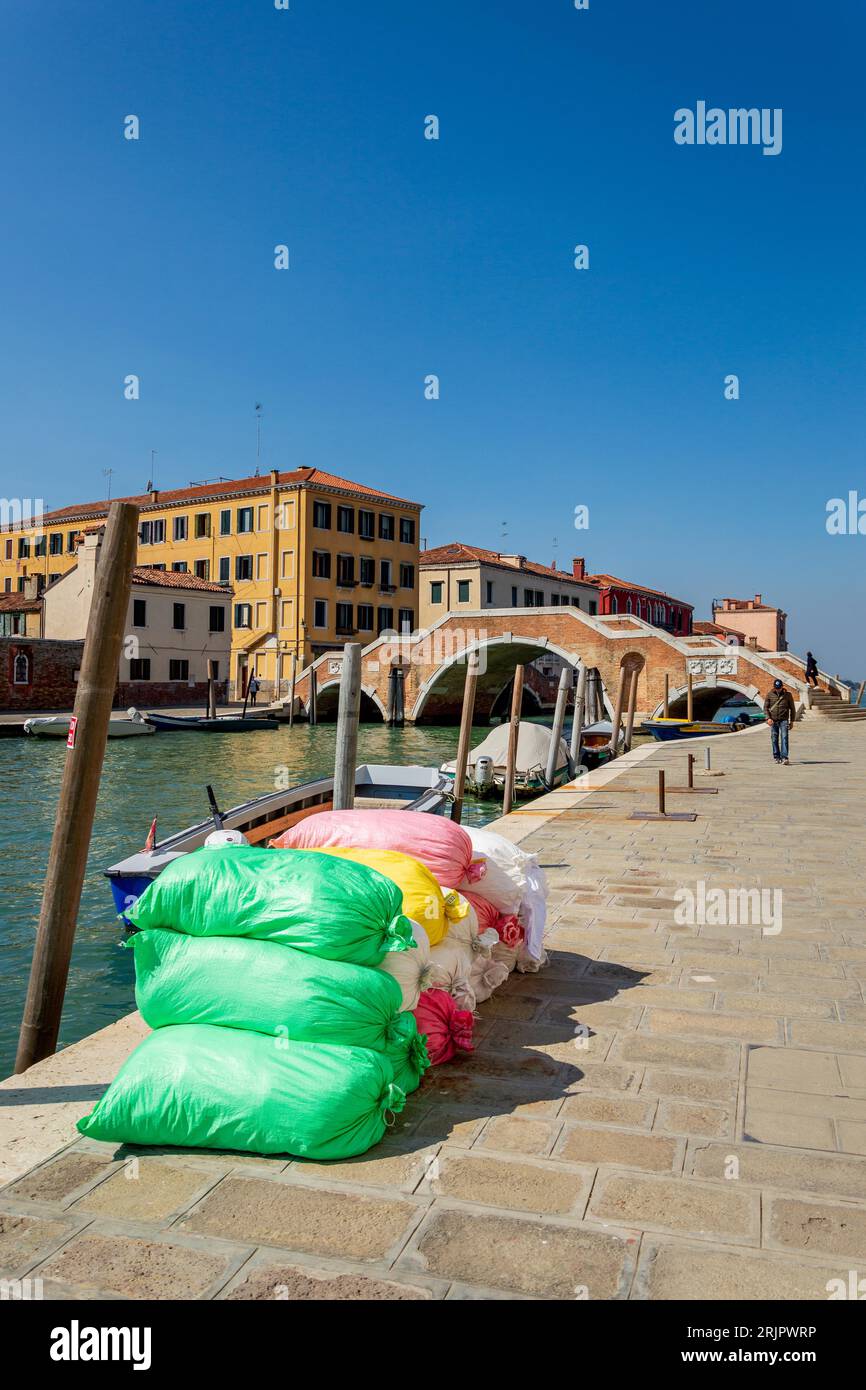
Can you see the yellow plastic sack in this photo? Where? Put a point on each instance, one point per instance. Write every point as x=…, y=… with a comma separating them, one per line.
x=423, y=900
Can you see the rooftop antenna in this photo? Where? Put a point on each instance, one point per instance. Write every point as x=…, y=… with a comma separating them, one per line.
x=505, y=530
x=152, y=482
x=555, y=550
x=106, y=473
x=258, y=437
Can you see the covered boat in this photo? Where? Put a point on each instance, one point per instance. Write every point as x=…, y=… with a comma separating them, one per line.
x=485, y=770
x=202, y=724
x=57, y=726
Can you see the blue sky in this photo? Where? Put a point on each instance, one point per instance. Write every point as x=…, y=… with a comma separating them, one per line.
x=410, y=257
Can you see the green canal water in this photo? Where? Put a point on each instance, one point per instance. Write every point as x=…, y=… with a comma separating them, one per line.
x=163, y=776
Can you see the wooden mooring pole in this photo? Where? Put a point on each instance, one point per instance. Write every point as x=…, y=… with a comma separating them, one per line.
x=466, y=715
x=292, y=689
x=580, y=701
x=690, y=698
x=632, y=704
x=558, y=725
x=348, y=717
x=666, y=708
x=513, y=734
x=76, y=806
x=617, y=713
x=211, y=689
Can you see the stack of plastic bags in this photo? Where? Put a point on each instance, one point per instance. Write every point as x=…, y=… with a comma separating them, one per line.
x=274, y=1031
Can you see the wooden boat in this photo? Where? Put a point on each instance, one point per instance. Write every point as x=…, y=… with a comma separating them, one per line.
x=485, y=768
x=595, y=744
x=57, y=726
x=260, y=820
x=665, y=729
x=200, y=723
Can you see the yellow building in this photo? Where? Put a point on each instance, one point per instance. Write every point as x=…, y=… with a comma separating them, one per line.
x=313, y=560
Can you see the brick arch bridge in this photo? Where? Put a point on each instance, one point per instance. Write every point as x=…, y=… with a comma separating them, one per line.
x=433, y=663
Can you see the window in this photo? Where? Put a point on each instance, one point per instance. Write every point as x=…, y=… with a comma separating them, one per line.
x=226, y=522
x=202, y=569
x=287, y=564
x=179, y=528
x=321, y=564
x=201, y=525
x=55, y=544
x=462, y=590
x=407, y=530
x=614, y=605
x=386, y=620
x=322, y=515
x=261, y=566
x=21, y=669
x=178, y=670
x=575, y=602
x=386, y=526
x=365, y=617
x=179, y=567
x=368, y=570
x=9, y=548
x=539, y=598
x=385, y=575
x=71, y=537
x=139, y=612
x=320, y=613
x=514, y=596
x=178, y=620
x=286, y=612
x=243, y=568
x=7, y=585
x=157, y=534
x=346, y=519
x=407, y=576
x=245, y=520
x=366, y=525
x=139, y=668
x=262, y=517
x=407, y=619
x=628, y=604
x=243, y=614
x=436, y=591
x=158, y=567
x=225, y=569
x=488, y=589
x=41, y=547
x=217, y=618
x=216, y=670
x=24, y=548
x=528, y=598
x=346, y=570
x=344, y=618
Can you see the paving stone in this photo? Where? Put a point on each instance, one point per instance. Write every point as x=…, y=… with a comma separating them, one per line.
x=675, y=1117
x=763, y=1166
x=511, y=1135
x=794, y=1070
x=675, y=1271
x=777, y=1127
x=270, y=1212
x=852, y=1136
x=689, y=1086
x=538, y=1258
x=839, y=1037
x=147, y=1190
x=853, y=1073
x=294, y=1283
x=676, y=1204
x=56, y=1180
x=456, y=1127
x=24, y=1238
x=134, y=1267
x=681, y=1021
x=547, y=1189
x=791, y=1005
x=625, y=1111
x=677, y=1052
x=628, y=1149
x=821, y=1228
x=379, y=1168
x=604, y=1076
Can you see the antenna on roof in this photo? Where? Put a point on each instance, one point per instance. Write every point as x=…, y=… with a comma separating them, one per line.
x=258, y=437
x=505, y=530
x=152, y=482
x=106, y=473
x=555, y=548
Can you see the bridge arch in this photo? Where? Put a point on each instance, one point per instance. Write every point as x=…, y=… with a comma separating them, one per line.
x=328, y=699
x=706, y=699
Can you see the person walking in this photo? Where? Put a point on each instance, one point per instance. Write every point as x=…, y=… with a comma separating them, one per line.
x=811, y=669
x=253, y=689
x=781, y=711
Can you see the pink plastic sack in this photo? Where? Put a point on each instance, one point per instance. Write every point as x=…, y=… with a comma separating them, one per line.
x=443, y=847
x=506, y=925
x=448, y=1030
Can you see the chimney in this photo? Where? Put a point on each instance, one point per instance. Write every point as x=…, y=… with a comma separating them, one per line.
x=154, y=494
x=758, y=600
x=31, y=587
x=578, y=567
x=275, y=477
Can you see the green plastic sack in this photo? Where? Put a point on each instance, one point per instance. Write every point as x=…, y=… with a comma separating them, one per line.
x=266, y=988
x=333, y=909
x=407, y=1053
x=196, y=1086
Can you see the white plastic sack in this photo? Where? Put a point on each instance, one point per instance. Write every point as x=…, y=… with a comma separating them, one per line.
x=412, y=969
x=487, y=975
x=505, y=955
x=533, y=917
x=504, y=882
x=450, y=968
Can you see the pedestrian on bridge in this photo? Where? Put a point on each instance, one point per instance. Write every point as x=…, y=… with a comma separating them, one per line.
x=781, y=712
x=811, y=670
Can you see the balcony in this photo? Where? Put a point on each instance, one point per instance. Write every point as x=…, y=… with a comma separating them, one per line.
x=387, y=588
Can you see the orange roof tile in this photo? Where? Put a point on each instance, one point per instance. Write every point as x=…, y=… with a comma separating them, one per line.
x=176, y=579
x=457, y=552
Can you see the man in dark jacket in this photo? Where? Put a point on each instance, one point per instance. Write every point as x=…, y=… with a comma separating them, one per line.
x=781, y=711
x=811, y=670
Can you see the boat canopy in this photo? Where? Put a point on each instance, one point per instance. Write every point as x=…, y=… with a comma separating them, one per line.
x=533, y=746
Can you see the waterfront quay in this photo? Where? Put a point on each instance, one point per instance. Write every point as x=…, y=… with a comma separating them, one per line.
x=672, y=1109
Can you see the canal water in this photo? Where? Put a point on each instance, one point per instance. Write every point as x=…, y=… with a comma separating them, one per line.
x=162, y=776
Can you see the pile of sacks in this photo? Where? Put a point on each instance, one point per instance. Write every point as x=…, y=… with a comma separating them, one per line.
x=274, y=1029
x=298, y=993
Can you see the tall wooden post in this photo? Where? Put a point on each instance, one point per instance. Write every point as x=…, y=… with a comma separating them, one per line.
x=391, y=717
x=211, y=690
x=67, y=859
x=632, y=703
x=292, y=689
x=859, y=699
x=662, y=811
x=558, y=725
x=348, y=716
x=577, y=725
x=617, y=713
x=690, y=698
x=465, y=738
x=313, y=716
x=666, y=710
x=513, y=735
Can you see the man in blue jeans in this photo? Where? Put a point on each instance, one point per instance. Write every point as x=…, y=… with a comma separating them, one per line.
x=781, y=711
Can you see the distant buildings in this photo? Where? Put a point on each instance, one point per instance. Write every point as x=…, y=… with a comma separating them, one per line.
x=755, y=623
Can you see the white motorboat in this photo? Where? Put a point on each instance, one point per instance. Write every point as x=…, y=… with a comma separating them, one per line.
x=57, y=726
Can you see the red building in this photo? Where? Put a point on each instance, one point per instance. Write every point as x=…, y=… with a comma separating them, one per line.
x=653, y=605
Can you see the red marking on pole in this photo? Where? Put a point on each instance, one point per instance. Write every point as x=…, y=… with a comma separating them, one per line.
x=70, y=737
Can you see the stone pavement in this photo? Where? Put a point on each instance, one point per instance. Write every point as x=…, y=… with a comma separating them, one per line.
x=669, y=1111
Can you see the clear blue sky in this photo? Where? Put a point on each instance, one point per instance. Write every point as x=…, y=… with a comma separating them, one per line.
x=454, y=257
